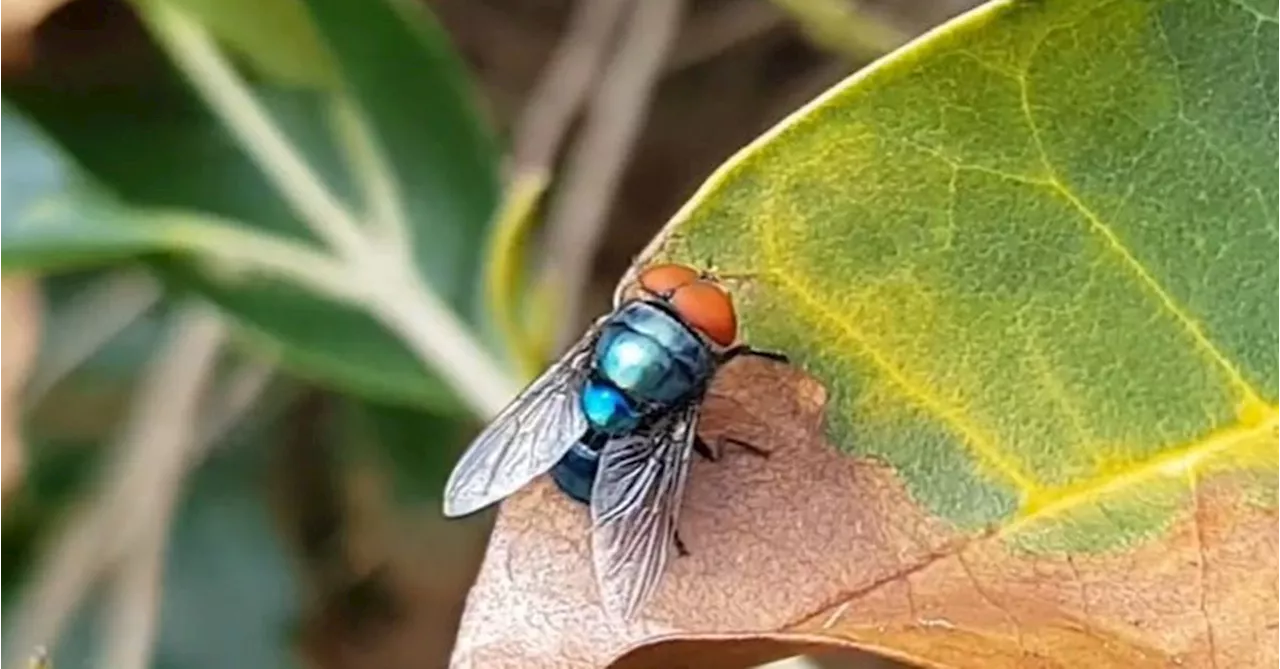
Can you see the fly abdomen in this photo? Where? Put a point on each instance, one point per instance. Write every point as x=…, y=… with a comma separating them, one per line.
x=607, y=408
x=575, y=474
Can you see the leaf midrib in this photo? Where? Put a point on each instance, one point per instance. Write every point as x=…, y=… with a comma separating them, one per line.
x=1033, y=496
x=1036, y=500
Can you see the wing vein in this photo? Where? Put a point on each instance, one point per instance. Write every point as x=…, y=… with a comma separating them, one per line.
x=635, y=506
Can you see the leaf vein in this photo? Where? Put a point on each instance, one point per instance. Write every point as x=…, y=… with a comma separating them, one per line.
x=1053, y=503
x=1257, y=15
x=1203, y=567
x=1254, y=189
x=979, y=442
x=1250, y=395
x=992, y=602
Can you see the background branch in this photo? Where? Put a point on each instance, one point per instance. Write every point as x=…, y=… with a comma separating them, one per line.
x=595, y=166
x=397, y=294
x=22, y=307
x=719, y=29
x=136, y=495
x=133, y=598
x=94, y=317
x=563, y=85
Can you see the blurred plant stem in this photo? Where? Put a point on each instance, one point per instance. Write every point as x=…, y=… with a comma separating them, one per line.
x=713, y=30
x=93, y=318
x=39, y=659
x=504, y=273
x=528, y=333
x=594, y=168
x=383, y=275
x=128, y=517
x=563, y=86
x=134, y=596
x=238, y=394
x=23, y=324
x=843, y=27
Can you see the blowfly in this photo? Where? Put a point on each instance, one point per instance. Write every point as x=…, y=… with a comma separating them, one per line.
x=615, y=423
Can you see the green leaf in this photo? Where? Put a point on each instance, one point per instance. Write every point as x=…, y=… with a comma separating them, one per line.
x=1030, y=257
x=54, y=223
x=408, y=84
x=275, y=36
x=156, y=148
x=43, y=227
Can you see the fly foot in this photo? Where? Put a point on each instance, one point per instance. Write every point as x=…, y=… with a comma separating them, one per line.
x=681, y=549
x=743, y=349
x=747, y=446
x=701, y=447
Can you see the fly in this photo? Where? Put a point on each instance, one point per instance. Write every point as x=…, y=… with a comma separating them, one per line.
x=614, y=421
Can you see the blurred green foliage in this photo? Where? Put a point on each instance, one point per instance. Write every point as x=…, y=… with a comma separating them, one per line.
x=100, y=177
x=156, y=149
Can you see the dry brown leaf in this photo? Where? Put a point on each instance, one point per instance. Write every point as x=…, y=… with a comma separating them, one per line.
x=810, y=548
x=20, y=323
x=20, y=16
x=18, y=20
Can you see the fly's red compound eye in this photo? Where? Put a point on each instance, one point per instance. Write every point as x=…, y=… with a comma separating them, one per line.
x=665, y=279
x=707, y=308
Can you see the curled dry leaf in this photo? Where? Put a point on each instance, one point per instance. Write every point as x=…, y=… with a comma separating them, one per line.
x=21, y=330
x=810, y=549
x=22, y=16
x=1029, y=263
x=18, y=20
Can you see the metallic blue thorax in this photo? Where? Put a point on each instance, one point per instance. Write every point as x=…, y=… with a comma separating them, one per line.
x=646, y=361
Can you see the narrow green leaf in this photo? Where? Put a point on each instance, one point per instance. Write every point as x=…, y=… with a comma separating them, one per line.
x=52, y=217
x=410, y=88
x=1032, y=260
x=49, y=227
x=158, y=147
x=276, y=37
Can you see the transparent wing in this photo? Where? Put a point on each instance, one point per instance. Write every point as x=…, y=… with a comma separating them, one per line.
x=527, y=438
x=635, y=505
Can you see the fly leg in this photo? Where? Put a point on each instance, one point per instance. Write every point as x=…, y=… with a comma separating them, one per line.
x=701, y=447
x=746, y=446
x=681, y=549
x=744, y=349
